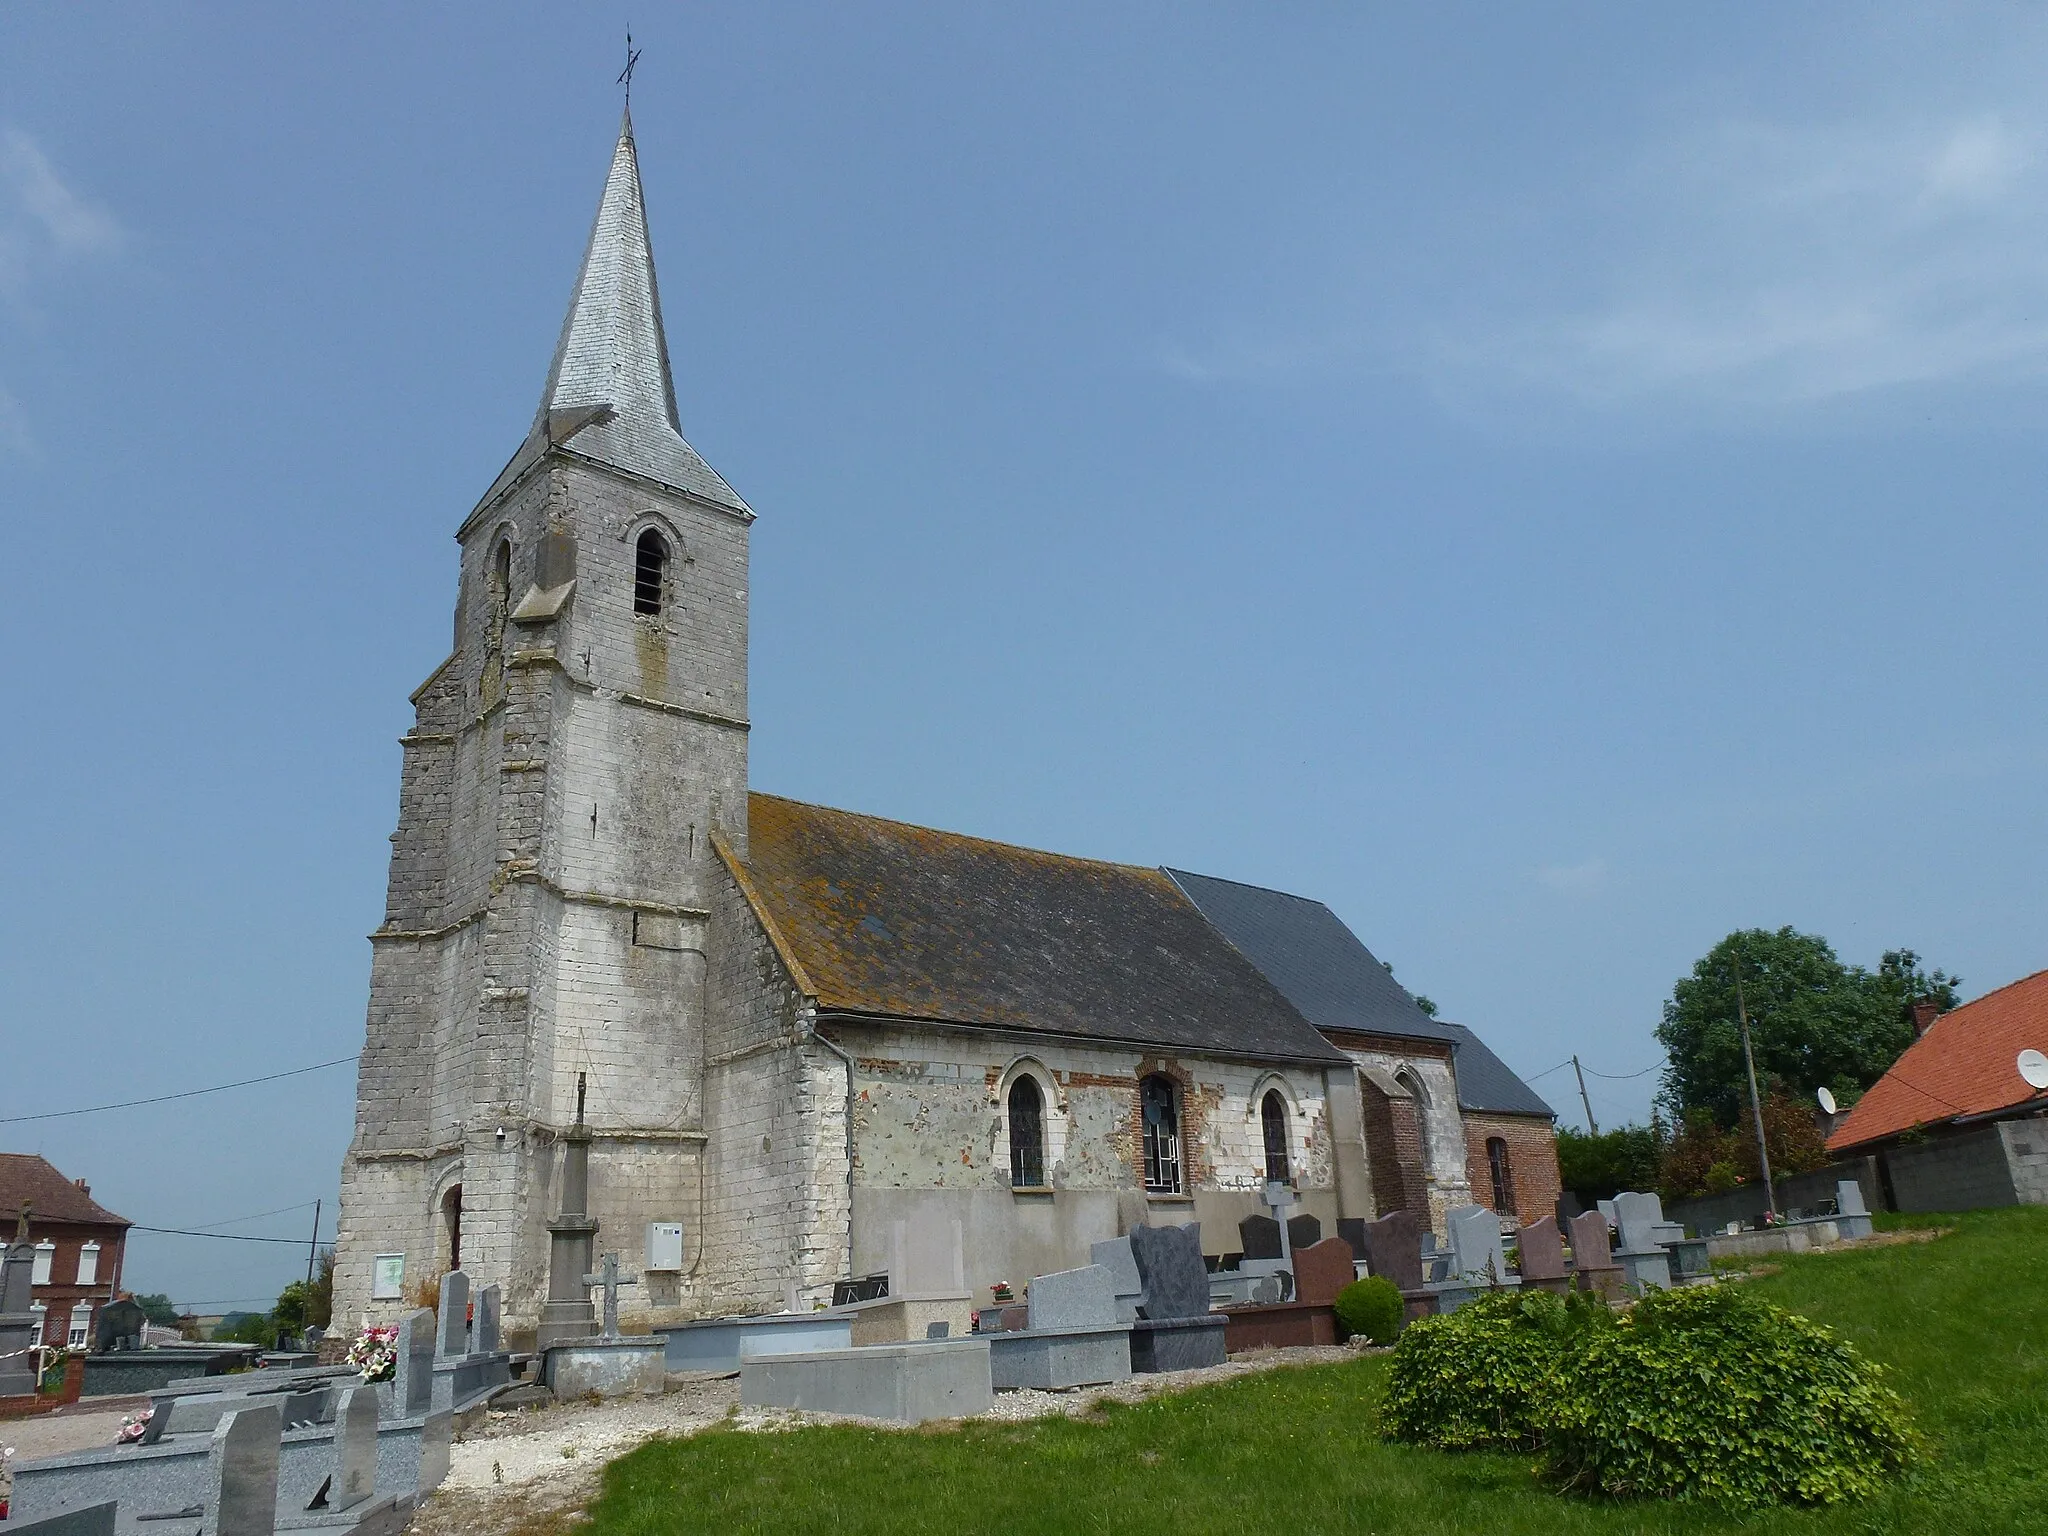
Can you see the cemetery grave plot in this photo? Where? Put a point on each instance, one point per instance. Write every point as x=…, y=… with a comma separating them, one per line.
x=1299, y=1449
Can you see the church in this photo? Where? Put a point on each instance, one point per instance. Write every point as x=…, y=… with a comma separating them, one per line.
x=795, y=1031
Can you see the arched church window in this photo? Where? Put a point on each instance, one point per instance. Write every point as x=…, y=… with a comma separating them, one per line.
x=650, y=572
x=1503, y=1175
x=1027, y=1133
x=1160, y=1106
x=1273, y=1122
x=501, y=586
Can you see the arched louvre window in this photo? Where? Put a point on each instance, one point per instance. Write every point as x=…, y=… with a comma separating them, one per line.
x=1027, y=1133
x=650, y=572
x=1503, y=1175
x=1161, y=1110
x=1273, y=1122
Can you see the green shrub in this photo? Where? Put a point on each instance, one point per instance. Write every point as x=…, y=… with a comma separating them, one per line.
x=1475, y=1378
x=1710, y=1393
x=1371, y=1309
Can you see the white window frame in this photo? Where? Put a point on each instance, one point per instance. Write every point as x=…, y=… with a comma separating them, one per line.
x=41, y=1315
x=79, y=1335
x=46, y=1255
x=88, y=1263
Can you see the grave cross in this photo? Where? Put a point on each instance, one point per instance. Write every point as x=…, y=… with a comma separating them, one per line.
x=609, y=1277
x=1279, y=1197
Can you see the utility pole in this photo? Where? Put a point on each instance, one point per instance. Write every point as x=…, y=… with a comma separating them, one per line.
x=1756, y=1107
x=313, y=1248
x=1590, y=1126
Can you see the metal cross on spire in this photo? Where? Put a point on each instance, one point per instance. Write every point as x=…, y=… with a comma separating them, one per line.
x=626, y=74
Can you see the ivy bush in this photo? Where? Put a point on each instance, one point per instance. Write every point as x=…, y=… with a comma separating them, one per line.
x=1475, y=1379
x=1370, y=1308
x=1711, y=1393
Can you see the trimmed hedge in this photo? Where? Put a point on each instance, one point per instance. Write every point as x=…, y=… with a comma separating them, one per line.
x=1705, y=1392
x=1370, y=1308
x=1711, y=1393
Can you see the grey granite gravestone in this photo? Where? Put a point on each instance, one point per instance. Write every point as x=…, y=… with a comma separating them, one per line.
x=435, y=1437
x=1476, y=1256
x=241, y=1472
x=1259, y=1237
x=1635, y=1215
x=119, y=1326
x=452, y=1328
x=907, y=1383
x=1852, y=1217
x=1352, y=1230
x=81, y=1520
x=1176, y=1331
x=1072, y=1298
x=355, y=1448
x=1541, y=1251
x=1393, y=1249
x=1303, y=1231
x=412, y=1386
x=1114, y=1255
x=1171, y=1270
x=17, y=1321
x=487, y=1320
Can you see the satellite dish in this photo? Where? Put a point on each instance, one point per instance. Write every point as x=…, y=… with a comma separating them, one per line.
x=1827, y=1101
x=2034, y=1068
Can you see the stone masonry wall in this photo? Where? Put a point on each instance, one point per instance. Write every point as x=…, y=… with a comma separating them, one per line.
x=1532, y=1162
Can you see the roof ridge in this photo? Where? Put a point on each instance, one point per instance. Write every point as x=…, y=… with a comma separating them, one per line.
x=1985, y=997
x=1249, y=885
x=968, y=837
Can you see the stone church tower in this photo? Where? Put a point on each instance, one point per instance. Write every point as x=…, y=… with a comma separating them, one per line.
x=553, y=868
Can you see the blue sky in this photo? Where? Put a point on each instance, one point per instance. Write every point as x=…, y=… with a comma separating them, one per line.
x=1556, y=486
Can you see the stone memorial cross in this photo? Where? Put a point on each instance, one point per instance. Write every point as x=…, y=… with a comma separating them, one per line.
x=609, y=1277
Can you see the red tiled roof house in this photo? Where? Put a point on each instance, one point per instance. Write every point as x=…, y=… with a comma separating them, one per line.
x=1953, y=1124
x=78, y=1245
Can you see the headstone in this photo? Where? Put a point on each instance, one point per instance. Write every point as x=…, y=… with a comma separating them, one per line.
x=1476, y=1256
x=453, y=1329
x=1541, y=1250
x=1568, y=1208
x=1073, y=1298
x=1114, y=1255
x=1303, y=1231
x=926, y=1258
x=609, y=1277
x=355, y=1448
x=1590, y=1248
x=17, y=1280
x=1393, y=1249
x=1170, y=1268
x=119, y=1326
x=1635, y=1215
x=413, y=1383
x=304, y=1408
x=1321, y=1270
x=1259, y=1237
x=436, y=1435
x=486, y=1340
x=1849, y=1199
x=241, y=1472
x=1352, y=1230
x=17, y=1321
x=1605, y=1208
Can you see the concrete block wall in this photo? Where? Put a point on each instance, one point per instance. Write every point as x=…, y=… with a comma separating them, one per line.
x=1963, y=1172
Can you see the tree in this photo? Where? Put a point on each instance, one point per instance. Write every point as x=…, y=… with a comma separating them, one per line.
x=1601, y=1167
x=1814, y=1022
x=1707, y=1159
x=158, y=1309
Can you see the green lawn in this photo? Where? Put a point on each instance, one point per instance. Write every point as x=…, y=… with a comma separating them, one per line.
x=1961, y=1321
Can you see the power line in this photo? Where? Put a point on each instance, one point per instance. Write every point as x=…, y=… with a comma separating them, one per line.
x=1548, y=1070
x=1625, y=1077
x=236, y=1221
x=165, y=1098
x=222, y=1237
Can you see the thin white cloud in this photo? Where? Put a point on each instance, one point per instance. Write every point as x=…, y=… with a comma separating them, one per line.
x=1771, y=264
x=1581, y=879
x=44, y=223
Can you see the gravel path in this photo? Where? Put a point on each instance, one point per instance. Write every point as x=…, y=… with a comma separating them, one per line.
x=530, y=1472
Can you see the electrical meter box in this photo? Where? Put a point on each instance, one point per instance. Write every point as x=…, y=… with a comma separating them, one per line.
x=664, y=1245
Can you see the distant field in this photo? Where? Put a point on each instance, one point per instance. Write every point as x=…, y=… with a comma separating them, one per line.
x=1962, y=1322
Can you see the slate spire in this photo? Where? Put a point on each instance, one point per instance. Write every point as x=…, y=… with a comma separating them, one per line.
x=610, y=394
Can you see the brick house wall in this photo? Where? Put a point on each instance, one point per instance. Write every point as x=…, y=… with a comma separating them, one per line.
x=1531, y=1144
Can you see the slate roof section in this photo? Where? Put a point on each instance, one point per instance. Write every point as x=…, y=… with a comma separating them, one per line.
x=1963, y=1068
x=902, y=921
x=1486, y=1084
x=613, y=353
x=25, y=1177
x=1305, y=950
